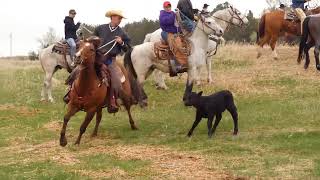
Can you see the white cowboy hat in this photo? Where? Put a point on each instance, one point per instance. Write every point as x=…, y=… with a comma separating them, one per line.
x=114, y=13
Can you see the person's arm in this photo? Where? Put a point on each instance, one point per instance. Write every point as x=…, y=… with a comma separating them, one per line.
x=126, y=42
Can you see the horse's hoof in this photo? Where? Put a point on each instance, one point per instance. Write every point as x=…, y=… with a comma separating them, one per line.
x=134, y=128
x=51, y=100
x=259, y=55
x=318, y=67
x=275, y=58
x=305, y=67
x=63, y=142
x=94, y=135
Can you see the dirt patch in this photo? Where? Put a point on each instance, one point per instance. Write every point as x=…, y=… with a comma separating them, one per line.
x=165, y=162
x=53, y=126
x=19, y=110
x=114, y=173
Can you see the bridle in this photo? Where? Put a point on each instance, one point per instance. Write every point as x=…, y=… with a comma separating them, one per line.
x=234, y=15
x=204, y=23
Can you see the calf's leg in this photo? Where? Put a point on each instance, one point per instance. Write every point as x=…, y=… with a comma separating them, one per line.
x=195, y=123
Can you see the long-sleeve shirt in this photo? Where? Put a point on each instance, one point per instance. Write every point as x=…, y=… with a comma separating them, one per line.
x=298, y=3
x=70, y=28
x=167, y=21
x=107, y=34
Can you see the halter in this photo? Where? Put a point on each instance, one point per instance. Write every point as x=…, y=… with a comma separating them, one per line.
x=229, y=22
x=202, y=18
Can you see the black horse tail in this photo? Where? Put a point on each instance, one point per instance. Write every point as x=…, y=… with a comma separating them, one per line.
x=261, y=30
x=304, y=38
x=128, y=63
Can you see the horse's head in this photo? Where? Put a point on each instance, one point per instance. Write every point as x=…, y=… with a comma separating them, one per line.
x=87, y=50
x=209, y=26
x=231, y=16
x=238, y=18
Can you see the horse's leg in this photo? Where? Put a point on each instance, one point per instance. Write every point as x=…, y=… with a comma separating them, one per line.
x=46, y=89
x=84, y=125
x=98, y=120
x=128, y=108
x=208, y=59
x=306, y=52
x=261, y=43
x=273, y=42
x=71, y=111
x=189, y=84
x=143, y=97
x=197, y=76
x=159, y=79
x=316, y=55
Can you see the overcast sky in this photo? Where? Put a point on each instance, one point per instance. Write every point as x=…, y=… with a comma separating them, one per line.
x=30, y=19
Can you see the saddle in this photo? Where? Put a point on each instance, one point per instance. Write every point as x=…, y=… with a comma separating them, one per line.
x=294, y=14
x=177, y=47
x=62, y=47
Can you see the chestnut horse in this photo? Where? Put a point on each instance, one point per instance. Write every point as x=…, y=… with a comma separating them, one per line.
x=271, y=26
x=310, y=38
x=89, y=95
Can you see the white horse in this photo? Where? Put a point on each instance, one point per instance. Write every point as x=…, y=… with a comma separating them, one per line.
x=225, y=18
x=51, y=62
x=143, y=60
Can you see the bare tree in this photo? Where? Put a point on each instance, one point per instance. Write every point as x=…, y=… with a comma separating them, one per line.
x=48, y=38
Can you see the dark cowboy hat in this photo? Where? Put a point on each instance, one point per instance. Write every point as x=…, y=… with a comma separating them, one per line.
x=205, y=5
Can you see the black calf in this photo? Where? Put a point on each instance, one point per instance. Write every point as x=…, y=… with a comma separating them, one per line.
x=210, y=106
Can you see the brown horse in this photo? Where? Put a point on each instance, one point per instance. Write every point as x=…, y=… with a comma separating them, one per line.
x=310, y=38
x=273, y=25
x=89, y=95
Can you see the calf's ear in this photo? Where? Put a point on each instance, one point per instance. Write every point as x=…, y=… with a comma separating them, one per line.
x=200, y=93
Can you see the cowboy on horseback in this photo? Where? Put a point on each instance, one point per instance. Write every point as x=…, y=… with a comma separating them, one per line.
x=169, y=31
x=114, y=40
x=70, y=33
x=112, y=32
x=184, y=8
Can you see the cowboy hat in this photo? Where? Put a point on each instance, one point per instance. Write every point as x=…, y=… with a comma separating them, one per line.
x=114, y=13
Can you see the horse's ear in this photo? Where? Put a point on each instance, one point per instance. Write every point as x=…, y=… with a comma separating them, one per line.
x=96, y=41
x=200, y=93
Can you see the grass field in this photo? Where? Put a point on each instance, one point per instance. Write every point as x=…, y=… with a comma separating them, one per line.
x=279, y=126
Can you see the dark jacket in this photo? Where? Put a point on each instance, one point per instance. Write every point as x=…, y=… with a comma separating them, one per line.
x=70, y=28
x=185, y=7
x=298, y=3
x=106, y=35
x=167, y=20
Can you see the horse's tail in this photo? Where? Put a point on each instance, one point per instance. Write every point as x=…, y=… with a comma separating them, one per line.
x=128, y=63
x=304, y=37
x=261, y=30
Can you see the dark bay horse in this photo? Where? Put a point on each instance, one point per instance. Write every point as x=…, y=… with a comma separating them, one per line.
x=272, y=25
x=310, y=38
x=89, y=95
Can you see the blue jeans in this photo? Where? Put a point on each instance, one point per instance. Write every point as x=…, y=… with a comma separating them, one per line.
x=188, y=24
x=164, y=36
x=73, y=47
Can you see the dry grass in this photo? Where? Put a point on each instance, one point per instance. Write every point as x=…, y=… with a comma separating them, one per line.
x=18, y=64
